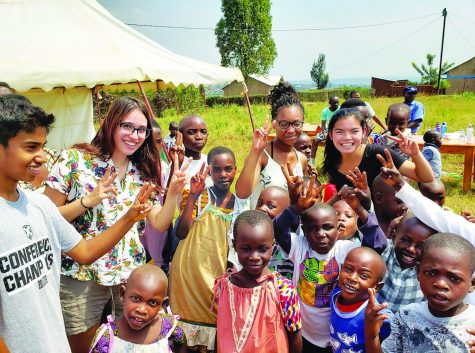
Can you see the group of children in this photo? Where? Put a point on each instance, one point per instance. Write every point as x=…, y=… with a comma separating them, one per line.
x=377, y=268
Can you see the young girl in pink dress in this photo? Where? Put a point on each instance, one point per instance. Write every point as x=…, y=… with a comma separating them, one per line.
x=258, y=310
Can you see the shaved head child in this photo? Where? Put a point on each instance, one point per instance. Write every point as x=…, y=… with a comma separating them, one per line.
x=143, y=321
x=363, y=269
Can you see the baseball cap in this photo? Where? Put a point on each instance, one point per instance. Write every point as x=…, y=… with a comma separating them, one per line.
x=410, y=89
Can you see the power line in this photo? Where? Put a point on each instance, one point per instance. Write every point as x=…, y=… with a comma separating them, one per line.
x=386, y=47
x=289, y=29
x=461, y=34
x=462, y=18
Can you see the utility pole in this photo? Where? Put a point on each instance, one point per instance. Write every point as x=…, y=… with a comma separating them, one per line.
x=444, y=13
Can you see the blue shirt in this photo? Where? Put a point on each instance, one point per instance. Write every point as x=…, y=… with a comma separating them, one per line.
x=417, y=114
x=347, y=329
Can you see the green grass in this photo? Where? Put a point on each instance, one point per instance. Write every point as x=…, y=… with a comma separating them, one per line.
x=230, y=126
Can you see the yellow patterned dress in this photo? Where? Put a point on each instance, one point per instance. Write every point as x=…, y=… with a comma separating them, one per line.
x=199, y=259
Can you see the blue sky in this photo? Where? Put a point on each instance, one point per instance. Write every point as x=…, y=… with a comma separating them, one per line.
x=383, y=51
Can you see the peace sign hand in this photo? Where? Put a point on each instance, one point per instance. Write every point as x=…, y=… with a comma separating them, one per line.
x=260, y=136
x=142, y=205
x=177, y=149
x=104, y=189
x=294, y=183
x=198, y=181
x=309, y=196
x=406, y=145
x=373, y=318
x=360, y=182
x=389, y=172
x=178, y=180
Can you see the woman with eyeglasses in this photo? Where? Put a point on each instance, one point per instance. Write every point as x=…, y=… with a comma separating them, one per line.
x=262, y=165
x=93, y=185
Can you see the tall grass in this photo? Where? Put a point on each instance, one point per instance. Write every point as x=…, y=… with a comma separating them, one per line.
x=230, y=126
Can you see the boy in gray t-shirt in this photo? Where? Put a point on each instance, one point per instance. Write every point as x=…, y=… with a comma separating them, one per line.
x=33, y=234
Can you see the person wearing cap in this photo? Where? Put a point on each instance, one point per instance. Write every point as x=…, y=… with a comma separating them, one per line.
x=417, y=109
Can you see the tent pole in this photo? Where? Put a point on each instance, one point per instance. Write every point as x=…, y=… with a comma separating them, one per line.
x=248, y=103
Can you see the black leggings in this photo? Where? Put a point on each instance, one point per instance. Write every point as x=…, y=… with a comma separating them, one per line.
x=308, y=347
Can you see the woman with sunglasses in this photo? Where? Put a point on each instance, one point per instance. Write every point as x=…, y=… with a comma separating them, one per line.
x=262, y=165
x=93, y=185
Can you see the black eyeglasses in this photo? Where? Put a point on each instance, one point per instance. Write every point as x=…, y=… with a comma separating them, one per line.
x=284, y=124
x=130, y=129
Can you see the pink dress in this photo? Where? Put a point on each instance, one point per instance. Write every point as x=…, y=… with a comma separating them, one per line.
x=256, y=320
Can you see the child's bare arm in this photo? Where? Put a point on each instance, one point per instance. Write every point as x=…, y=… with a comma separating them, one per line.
x=88, y=251
x=379, y=122
x=251, y=169
x=372, y=323
x=197, y=185
x=295, y=341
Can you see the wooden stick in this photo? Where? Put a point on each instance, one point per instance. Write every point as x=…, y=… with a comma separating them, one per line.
x=248, y=103
x=150, y=112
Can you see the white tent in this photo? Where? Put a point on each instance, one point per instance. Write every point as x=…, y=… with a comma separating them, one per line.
x=55, y=51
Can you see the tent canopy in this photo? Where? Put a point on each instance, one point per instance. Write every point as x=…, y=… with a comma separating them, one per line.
x=55, y=43
x=54, y=51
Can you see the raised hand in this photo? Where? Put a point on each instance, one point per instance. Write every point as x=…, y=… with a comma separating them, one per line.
x=406, y=145
x=104, y=189
x=294, y=183
x=260, y=135
x=360, y=182
x=348, y=194
x=178, y=179
x=142, y=205
x=177, y=149
x=389, y=172
x=198, y=181
x=373, y=318
x=309, y=195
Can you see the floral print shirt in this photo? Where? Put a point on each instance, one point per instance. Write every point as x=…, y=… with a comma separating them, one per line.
x=76, y=174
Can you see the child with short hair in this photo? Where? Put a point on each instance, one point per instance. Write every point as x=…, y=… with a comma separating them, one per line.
x=255, y=296
x=347, y=222
x=144, y=326
x=327, y=113
x=170, y=139
x=435, y=191
x=401, y=254
x=304, y=145
x=362, y=270
x=386, y=205
x=445, y=275
x=317, y=258
x=431, y=151
x=202, y=252
x=273, y=200
x=397, y=118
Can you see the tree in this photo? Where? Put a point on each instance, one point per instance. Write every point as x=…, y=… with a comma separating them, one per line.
x=243, y=36
x=429, y=73
x=318, y=74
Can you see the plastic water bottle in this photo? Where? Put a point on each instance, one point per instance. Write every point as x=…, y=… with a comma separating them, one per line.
x=470, y=133
x=462, y=135
x=437, y=127
x=443, y=129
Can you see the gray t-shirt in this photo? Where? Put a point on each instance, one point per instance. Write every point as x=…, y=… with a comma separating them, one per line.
x=32, y=235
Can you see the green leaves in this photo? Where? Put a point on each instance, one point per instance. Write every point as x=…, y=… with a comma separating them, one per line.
x=318, y=74
x=243, y=36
